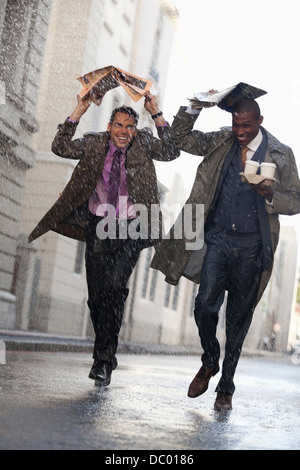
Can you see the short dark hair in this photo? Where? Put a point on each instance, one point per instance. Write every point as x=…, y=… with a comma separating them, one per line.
x=247, y=105
x=125, y=110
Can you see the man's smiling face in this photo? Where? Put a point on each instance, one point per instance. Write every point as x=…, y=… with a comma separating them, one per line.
x=245, y=126
x=122, y=130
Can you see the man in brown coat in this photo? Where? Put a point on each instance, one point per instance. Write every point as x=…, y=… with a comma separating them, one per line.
x=241, y=233
x=115, y=171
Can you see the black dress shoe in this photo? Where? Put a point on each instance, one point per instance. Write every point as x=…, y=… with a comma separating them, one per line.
x=223, y=402
x=101, y=373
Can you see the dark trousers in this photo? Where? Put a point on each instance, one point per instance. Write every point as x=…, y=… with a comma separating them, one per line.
x=109, y=264
x=232, y=263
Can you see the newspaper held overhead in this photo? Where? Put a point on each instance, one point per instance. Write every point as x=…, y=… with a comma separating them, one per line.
x=95, y=84
x=225, y=99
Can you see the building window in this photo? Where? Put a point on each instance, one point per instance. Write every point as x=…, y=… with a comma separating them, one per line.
x=167, y=295
x=193, y=296
x=108, y=28
x=116, y=101
x=16, y=273
x=79, y=258
x=175, y=298
x=146, y=274
x=281, y=253
x=153, y=286
x=127, y=19
x=109, y=17
x=171, y=298
x=123, y=50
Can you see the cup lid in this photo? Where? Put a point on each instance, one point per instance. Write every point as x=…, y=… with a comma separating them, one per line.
x=268, y=164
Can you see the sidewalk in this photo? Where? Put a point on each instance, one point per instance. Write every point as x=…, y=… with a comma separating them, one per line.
x=35, y=341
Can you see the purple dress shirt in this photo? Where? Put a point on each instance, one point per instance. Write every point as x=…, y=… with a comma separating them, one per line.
x=98, y=200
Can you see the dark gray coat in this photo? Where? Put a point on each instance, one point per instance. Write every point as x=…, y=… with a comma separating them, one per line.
x=171, y=257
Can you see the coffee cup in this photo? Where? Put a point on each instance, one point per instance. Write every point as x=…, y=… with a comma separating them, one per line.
x=251, y=167
x=267, y=169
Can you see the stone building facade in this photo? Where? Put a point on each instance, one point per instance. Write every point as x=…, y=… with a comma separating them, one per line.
x=23, y=31
x=135, y=35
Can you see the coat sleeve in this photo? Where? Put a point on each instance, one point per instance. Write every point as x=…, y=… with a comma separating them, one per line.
x=161, y=149
x=64, y=146
x=286, y=196
x=192, y=141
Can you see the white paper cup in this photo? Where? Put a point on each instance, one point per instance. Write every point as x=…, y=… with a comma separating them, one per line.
x=267, y=169
x=251, y=167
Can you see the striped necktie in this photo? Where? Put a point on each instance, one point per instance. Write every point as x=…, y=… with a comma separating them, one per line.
x=114, y=180
x=244, y=151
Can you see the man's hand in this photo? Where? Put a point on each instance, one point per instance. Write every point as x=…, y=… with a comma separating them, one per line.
x=197, y=106
x=264, y=191
x=151, y=104
x=152, y=107
x=81, y=108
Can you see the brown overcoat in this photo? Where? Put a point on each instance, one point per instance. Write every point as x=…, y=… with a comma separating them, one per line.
x=172, y=257
x=68, y=216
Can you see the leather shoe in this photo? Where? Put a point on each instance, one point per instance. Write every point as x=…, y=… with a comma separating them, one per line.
x=200, y=383
x=223, y=402
x=101, y=373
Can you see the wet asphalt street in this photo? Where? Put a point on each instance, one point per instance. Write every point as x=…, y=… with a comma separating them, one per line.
x=47, y=402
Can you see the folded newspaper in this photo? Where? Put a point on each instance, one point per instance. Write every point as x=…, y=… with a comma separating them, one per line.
x=95, y=84
x=225, y=99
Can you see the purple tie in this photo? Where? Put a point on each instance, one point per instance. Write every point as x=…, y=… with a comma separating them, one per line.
x=114, y=180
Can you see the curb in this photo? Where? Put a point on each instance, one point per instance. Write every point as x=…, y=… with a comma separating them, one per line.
x=32, y=341
x=43, y=342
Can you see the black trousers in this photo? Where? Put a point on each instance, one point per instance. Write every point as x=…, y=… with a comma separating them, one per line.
x=233, y=262
x=109, y=264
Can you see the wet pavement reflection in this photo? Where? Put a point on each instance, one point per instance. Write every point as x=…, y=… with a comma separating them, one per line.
x=47, y=402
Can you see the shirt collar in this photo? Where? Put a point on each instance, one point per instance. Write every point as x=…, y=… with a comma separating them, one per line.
x=113, y=148
x=255, y=143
